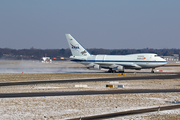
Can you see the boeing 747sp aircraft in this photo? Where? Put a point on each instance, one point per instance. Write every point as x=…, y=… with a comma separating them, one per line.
x=115, y=63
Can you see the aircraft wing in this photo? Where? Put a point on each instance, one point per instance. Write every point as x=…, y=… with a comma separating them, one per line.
x=107, y=66
x=130, y=65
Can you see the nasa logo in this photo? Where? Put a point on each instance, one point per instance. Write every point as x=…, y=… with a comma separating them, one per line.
x=74, y=47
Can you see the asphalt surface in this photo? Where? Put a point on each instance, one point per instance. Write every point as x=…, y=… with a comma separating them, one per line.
x=125, y=113
x=44, y=94
x=174, y=76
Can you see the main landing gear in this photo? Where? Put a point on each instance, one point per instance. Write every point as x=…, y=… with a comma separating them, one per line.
x=111, y=71
x=114, y=71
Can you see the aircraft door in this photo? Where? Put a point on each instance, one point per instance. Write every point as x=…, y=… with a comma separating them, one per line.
x=100, y=58
x=148, y=58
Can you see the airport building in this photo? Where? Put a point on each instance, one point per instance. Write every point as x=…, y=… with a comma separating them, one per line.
x=173, y=58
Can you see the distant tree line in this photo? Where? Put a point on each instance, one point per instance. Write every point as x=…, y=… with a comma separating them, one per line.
x=37, y=54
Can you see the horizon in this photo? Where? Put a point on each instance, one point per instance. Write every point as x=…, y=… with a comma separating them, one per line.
x=92, y=48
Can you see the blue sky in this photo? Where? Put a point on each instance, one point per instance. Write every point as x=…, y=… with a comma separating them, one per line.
x=108, y=24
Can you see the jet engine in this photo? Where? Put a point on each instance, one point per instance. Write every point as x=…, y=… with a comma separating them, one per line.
x=119, y=68
x=94, y=67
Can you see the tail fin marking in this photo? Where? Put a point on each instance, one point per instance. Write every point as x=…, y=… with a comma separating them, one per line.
x=75, y=47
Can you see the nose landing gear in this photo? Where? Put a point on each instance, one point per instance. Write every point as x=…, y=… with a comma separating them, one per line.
x=152, y=71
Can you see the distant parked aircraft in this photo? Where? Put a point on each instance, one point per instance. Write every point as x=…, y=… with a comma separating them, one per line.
x=115, y=63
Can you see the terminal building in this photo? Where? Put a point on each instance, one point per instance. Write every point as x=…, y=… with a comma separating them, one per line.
x=173, y=58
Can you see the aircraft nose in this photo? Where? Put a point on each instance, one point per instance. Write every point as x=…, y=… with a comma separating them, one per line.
x=164, y=61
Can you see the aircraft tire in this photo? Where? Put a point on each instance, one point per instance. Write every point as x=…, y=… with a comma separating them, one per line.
x=110, y=71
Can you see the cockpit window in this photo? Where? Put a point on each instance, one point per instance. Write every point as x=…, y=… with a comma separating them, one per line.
x=155, y=55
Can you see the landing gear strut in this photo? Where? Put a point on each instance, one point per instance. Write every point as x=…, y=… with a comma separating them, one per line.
x=111, y=71
x=121, y=71
x=152, y=71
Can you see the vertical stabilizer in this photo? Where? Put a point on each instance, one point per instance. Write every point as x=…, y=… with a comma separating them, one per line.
x=75, y=47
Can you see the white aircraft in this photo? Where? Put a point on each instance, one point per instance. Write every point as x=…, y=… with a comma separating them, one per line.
x=115, y=63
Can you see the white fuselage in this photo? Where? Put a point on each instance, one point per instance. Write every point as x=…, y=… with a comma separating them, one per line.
x=132, y=61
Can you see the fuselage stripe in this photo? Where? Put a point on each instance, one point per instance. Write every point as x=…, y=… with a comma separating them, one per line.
x=118, y=61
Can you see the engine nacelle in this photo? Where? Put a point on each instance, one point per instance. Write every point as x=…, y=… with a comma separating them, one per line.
x=94, y=67
x=119, y=68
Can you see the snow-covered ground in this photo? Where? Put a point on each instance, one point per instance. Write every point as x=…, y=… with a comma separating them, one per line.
x=64, y=107
x=162, y=115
